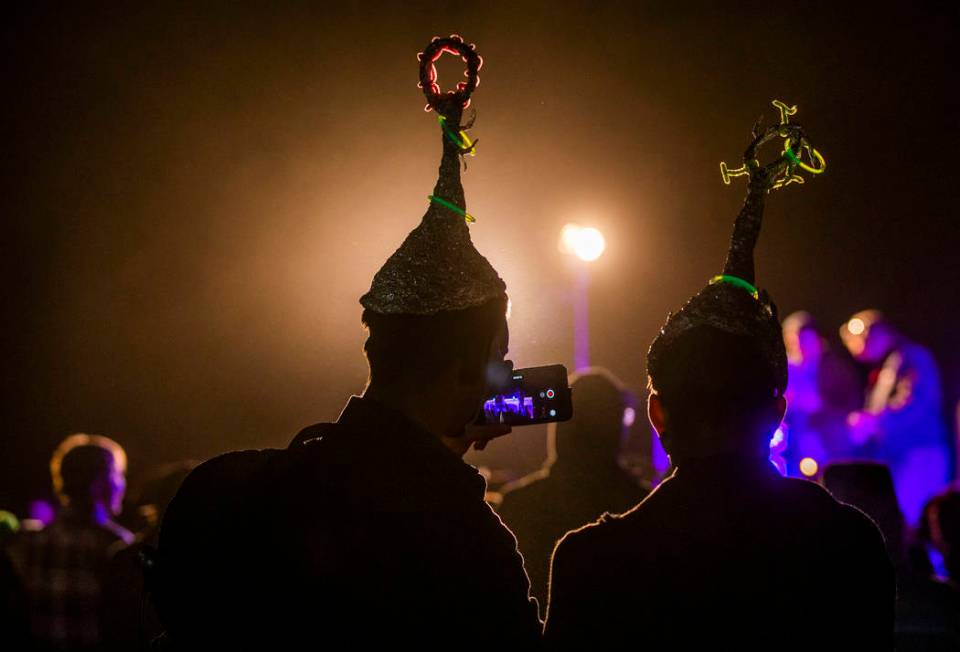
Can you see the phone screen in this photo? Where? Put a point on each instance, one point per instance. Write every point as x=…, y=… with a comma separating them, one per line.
x=531, y=395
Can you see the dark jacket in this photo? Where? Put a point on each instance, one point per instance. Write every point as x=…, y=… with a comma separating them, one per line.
x=368, y=532
x=727, y=554
x=543, y=506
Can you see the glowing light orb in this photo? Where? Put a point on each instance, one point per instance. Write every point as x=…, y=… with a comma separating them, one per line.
x=629, y=417
x=856, y=326
x=809, y=467
x=586, y=243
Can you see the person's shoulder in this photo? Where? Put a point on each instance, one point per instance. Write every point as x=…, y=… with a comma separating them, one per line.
x=228, y=469
x=217, y=484
x=850, y=527
x=312, y=434
x=234, y=462
x=118, y=536
x=18, y=546
x=809, y=492
x=609, y=531
x=859, y=528
x=798, y=498
x=913, y=356
x=575, y=549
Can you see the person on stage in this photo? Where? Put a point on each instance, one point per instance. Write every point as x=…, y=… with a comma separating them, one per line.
x=901, y=422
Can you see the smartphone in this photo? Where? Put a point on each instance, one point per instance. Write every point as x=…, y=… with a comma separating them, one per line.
x=529, y=396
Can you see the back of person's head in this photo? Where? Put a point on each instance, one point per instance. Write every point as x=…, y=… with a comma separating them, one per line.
x=868, y=486
x=89, y=468
x=799, y=321
x=942, y=520
x=595, y=432
x=802, y=337
x=869, y=336
x=414, y=349
x=719, y=392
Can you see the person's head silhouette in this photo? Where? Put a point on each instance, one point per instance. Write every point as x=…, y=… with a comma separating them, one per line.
x=88, y=474
x=716, y=395
x=593, y=437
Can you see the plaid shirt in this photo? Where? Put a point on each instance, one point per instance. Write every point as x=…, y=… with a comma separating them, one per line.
x=61, y=567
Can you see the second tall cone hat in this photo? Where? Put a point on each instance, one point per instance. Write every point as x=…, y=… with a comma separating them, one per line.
x=731, y=303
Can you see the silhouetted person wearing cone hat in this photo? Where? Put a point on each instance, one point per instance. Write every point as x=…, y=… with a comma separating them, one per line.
x=725, y=554
x=370, y=532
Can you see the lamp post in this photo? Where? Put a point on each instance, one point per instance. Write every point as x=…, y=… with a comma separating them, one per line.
x=586, y=244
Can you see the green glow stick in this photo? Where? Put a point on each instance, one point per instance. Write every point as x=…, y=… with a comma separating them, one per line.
x=456, y=209
x=463, y=141
x=736, y=281
x=815, y=156
x=790, y=155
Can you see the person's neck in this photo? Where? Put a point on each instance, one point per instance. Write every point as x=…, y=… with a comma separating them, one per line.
x=725, y=462
x=90, y=511
x=424, y=408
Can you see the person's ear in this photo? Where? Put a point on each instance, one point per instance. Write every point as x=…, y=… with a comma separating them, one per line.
x=656, y=415
x=781, y=409
x=658, y=419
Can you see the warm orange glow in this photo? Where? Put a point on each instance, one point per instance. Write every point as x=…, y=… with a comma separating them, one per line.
x=809, y=467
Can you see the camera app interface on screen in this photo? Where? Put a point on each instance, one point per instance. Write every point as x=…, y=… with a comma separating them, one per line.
x=536, y=395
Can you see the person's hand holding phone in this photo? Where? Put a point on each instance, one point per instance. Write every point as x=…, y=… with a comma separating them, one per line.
x=476, y=436
x=480, y=435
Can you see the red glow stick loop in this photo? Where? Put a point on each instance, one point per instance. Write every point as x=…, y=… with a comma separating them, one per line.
x=455, y=45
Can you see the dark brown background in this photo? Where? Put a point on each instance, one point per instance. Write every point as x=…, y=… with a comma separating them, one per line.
x=196, y=196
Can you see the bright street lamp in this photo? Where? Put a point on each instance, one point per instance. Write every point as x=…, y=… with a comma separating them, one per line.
x=587, y=244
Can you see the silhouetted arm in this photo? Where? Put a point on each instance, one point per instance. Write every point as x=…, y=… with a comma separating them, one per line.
x=574, y=613
x=480, y=584
x=916, y=399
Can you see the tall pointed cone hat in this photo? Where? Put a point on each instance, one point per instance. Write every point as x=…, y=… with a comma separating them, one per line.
x=731, y=303
x=437, y=268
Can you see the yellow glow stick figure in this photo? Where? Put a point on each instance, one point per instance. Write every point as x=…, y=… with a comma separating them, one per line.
x=785, y=111
x=793, y=178
x=727, y=173
x=781, y=171
x=468, y=144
